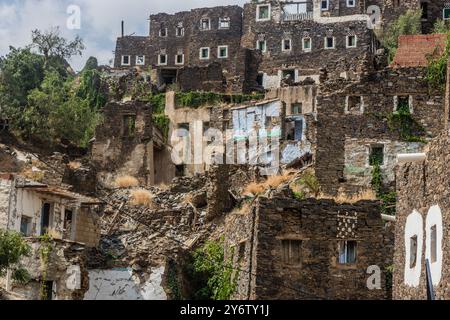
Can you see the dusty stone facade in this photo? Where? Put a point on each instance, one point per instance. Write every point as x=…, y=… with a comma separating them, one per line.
x=125, y=145
x=423, y=205
x=290, y=249
x=353, y=118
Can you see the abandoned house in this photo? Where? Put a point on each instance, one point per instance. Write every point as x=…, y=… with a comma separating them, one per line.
x=311, y=249
x=72, y=221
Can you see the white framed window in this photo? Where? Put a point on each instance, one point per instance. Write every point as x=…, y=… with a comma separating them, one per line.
x=162, y=59
x=286, y=45
x=446, y=14
x=222, y=52
x=261, y=45
x=351, y=3
x=179, y=31
x=324, y=5
x=329, y=42
x=163, y=32
x=351, y=41
x=126, y=60
x=179, y=59
x=140, y=60
x=204, y=53
x=224, y=23
x=205, y=24
x=263, y=12
x=307, y=44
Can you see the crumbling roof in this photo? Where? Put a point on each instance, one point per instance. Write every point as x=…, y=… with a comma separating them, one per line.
x=62, y=193
x=415, y=50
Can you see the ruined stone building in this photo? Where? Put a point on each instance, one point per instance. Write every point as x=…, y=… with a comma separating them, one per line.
x=312, y=249
x=422, y=250
x=72, y=220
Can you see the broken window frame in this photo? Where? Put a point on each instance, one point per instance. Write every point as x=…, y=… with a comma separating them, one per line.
x=310, y=44
x=347, y=39
x=176, y=59
x=348, y=252
x=202, y=27
x=219, y=48
x=138, y=63
x=326, y=43
x=375, y=158
x=51, y=207
x=398, y=105
x=201, y=53
x=160, y=63
x=29, y=221
x=283, y=45
x=327, y=7
x=413, y=251
x=128, y=127
x=123, y=60
x=433, y=244
x=179, y=32
x=163, y=34
x=351, y=3
x=224, y=23
x=258, y=12
x=300, y=108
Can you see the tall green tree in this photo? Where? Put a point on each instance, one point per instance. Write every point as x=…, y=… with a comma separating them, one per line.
x=12, y=249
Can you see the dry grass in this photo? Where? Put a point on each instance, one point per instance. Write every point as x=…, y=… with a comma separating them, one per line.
x=52, y=233
x=272, y=182
x=351, y=199
x=74, y=165
x=142, y=197
x=163, y=187
x=126, y=182
x=34, y=175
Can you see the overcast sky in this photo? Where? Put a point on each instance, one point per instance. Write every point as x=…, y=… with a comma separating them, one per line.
x=100, y=21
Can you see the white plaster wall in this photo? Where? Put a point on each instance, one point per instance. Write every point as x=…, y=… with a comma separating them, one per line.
x=413, y=227
x=434, y=218
x=5, y=186
x=121, y=284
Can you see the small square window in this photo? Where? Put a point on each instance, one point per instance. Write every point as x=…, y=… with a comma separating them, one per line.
x=205, y=24
x=126, y=61
x=291, y=251
x=179, y=32
x=262, y=45
x=413, y=252
x=204, y=53
x=25, y=226
x=306, y=44
x=286, y=45
x=354, y=105
x=297, y=108
x=446, y=14
x=140, y=60
x=329, y=42
x=347, y=252
x=162, y=59
x=163, y=32
x=351, y=3
x=376, y=156
x=403, y=105
x=351, y=41
x=263, y=12
x=324, y=5
x=222, y=52
x=224, y=23
x=179, y=59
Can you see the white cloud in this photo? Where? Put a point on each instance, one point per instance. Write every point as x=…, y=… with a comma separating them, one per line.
x=100, y=21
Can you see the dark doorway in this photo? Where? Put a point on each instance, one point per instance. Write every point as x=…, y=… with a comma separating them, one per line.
x=45, y=218
x=168, y=76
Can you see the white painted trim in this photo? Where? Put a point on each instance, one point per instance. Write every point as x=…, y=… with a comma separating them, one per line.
x=283, y=41
x=325, y=43
x=179, y=64
x=346, y=41
x=265, y=45
x=257, y=12
x=218, y=52
x=310, y=44
x=229, y=23
x=129, y=60
x=434, y=218
x=328, y=5
x=140, y=64
x=159, y=60
x=201, y=24
x=167, y=32
x=349, y=5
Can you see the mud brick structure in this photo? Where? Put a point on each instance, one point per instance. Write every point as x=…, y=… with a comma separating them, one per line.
x=311, y=249
x=126, y=144
x=353, y=124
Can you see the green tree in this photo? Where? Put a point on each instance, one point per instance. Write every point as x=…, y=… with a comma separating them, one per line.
x=12, y=249
x=407, y=24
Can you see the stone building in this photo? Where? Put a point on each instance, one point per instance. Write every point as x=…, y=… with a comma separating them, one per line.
x=311, y=249
x=127, y=143
x=72, y=221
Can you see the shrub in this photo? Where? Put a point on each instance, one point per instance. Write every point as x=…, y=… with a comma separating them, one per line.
x=126, y=182
x=142, y=197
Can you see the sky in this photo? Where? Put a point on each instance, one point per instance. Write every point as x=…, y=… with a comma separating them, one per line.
x=98, y=22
